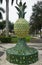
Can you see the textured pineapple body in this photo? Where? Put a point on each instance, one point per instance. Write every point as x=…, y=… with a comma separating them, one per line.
x=21, y=28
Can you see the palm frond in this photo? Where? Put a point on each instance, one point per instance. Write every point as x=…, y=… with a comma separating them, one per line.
x=18, y=14
x=12, y=2
x=1, y=16
x=1, y=1
x=1, y=9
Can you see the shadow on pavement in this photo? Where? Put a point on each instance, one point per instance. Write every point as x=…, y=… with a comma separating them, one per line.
x=1, y=53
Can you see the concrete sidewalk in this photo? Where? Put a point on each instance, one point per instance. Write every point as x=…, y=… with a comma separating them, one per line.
x=3, y=60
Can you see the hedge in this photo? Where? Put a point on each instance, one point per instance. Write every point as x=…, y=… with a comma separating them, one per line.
x=4, y=39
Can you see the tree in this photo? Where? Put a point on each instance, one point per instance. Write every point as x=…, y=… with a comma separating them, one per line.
x=36, y=17
x=1, y=1
x=1, y=16
x=34, y=24
x=3, y=25
x=7, y=13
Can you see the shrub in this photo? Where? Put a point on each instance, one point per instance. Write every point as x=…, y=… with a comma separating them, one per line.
x=28, y=38
x=14, y=39
x=4, y=39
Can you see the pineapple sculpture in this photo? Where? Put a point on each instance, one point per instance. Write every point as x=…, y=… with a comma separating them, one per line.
x=21, y=26
x=21, y=54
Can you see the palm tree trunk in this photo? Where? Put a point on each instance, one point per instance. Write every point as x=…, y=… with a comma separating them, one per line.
x=7, y=17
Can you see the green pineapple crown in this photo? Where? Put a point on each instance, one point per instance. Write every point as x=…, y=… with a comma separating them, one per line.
x=21, y=9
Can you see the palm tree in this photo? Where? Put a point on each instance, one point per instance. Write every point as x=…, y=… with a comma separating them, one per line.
x=1, y=10
x=7, y=13
x=36, y=17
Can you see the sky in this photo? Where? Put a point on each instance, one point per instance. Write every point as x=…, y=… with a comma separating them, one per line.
x=13, y=12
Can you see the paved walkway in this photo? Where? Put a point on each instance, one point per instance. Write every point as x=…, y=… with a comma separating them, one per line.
x=3, y=60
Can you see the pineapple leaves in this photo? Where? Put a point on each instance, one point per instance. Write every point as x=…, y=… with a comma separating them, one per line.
x=21, y=9
x=17, y=8
x=24, y=6
x=19, y=15
x=20, y=4
x=24, y=14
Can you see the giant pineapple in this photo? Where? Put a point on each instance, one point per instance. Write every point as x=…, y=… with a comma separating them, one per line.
x=21, y=26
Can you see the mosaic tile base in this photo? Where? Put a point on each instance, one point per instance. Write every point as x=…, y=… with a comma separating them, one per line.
x=21, y=53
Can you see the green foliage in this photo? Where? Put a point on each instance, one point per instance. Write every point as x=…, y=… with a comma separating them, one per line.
x=4, y=39
x=3, y=25
x=36, y=17
x=12, y=2
x=14, y=39
x=21, y=9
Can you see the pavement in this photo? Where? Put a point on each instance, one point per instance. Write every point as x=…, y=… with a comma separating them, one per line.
x=4, y=47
